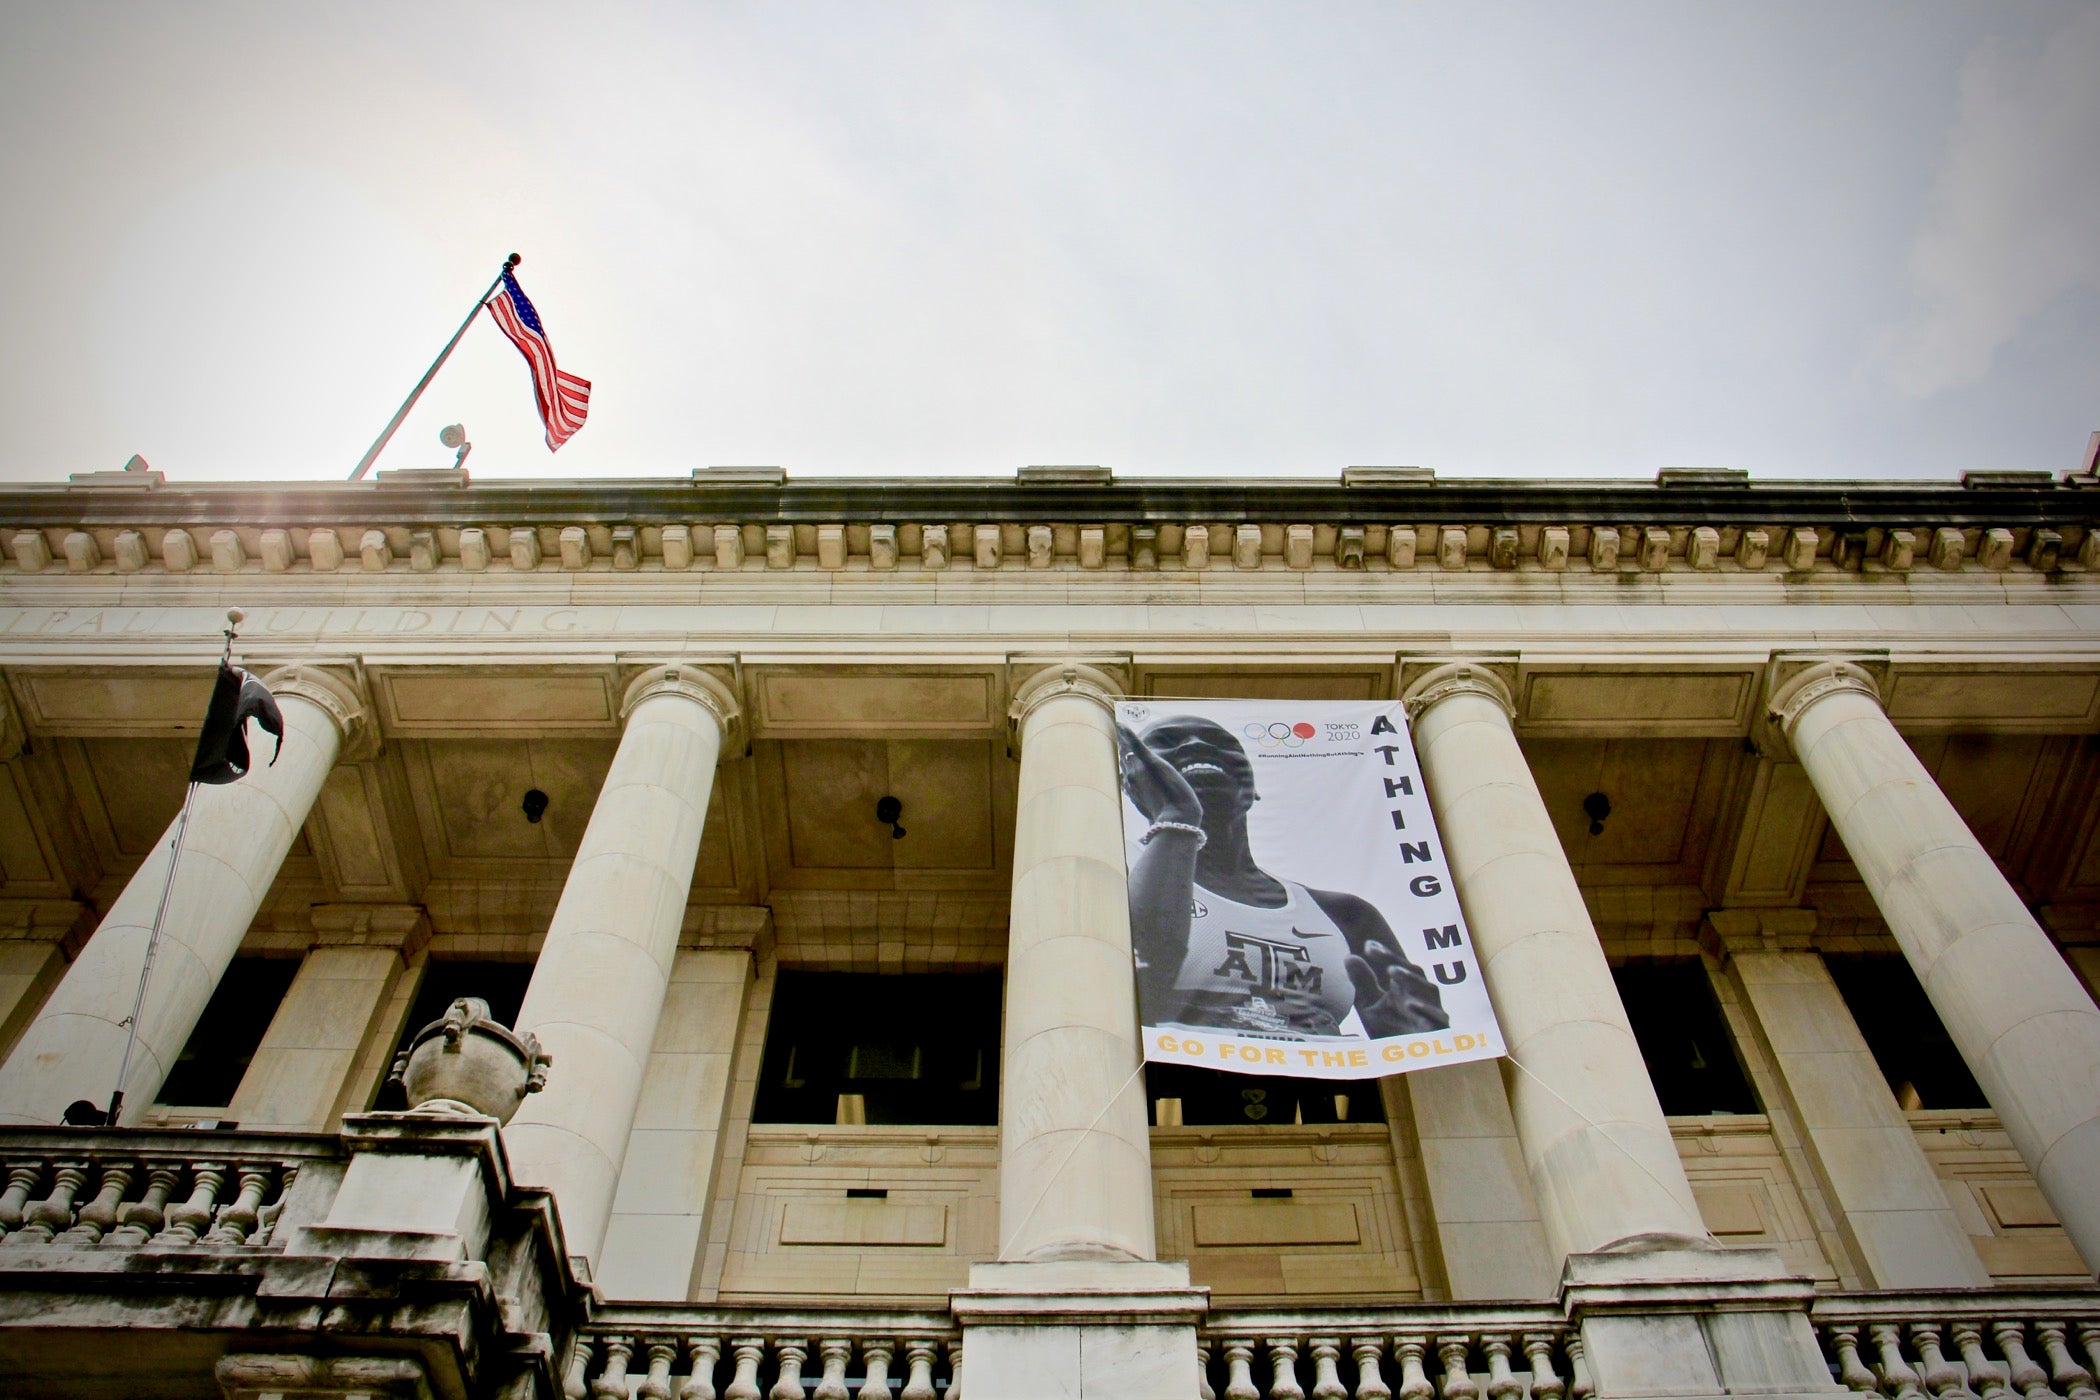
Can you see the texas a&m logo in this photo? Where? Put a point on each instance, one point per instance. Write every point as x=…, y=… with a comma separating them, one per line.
x=1275, y=967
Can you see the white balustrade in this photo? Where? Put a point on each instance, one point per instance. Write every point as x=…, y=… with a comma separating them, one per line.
x=133, y=1191
x=1963, y=1346
x=764, y=1354
x=1429, y=1353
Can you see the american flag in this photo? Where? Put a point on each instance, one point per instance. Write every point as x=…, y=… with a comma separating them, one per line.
x=564, y=399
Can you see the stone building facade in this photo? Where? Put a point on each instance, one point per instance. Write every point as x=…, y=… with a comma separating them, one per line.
x=1772, y=808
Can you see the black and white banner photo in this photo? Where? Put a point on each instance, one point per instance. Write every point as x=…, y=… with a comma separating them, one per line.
x=1290, y=905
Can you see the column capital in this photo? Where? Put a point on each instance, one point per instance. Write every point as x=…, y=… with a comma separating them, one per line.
x=402, y=927
x=339, y=693
x=1468, y=677
x=705, y=690
x=1792, y=697
x=1053, y=679
x=1728, y=932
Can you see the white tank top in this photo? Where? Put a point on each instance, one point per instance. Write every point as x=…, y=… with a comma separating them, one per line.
x=1282, y=972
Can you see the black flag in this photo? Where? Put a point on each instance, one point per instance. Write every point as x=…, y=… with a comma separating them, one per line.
x=222, y=749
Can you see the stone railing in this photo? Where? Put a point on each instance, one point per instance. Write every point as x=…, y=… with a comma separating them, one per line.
x=1963, y=1345
x=150, y=1190
x=681, y=1352
x=1459, y=1352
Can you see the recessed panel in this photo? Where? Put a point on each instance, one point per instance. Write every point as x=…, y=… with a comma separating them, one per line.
x=440, y=703
x=139, y=783
x=1637, y=702
x=1271, y=685
x=843, y=703
x=2028, y=697
x=116, y=705
x=1651, y=785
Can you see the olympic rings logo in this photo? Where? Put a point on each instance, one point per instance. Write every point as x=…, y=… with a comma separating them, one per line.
x=1277, y=733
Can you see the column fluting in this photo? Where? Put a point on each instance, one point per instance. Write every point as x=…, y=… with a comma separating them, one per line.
x=235, y=840
x=1075, y=1157
x=598, y=986
x=1599, y=1152
x=2022, y=1020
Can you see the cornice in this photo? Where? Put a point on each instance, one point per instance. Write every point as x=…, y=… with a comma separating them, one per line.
x=566, y=540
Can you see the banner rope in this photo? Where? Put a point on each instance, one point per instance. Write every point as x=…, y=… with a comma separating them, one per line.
x=1051, y=1180
x=1592, y=1122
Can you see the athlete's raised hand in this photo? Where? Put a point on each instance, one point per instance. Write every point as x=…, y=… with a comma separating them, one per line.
x=1392, y=995
x=1154, y=784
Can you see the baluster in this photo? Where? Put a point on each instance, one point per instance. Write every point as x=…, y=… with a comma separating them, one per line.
x=702, y=1354
x=2032, y=1380
x=787, y=1377
x=1897, y=1377
x=1502, y=1383
x=1370, y=1384
x=1942, y=1377
x=270, y=1214
x=918, y=1384
x=2070, y=1377
x=612, y=1381
x=1984, y=1378
x=1546, y=1384
x=955, y=1369
x=141, y=1220
x=47, y=1217
x=1414, y=1381
x=744, y=1384
x=99, y=1216
x=187, y=1219
x=239, y=1219
x=836, y=1352
x=1283, y=1369
x=1239, y=1370
x=875, y=1363
x=1851, y=1370
x=1458, y=1381
x=2089, y=1338
x=1327, y=1375
x=1203, y=1386
x=662, y=1352
x=22, y=1178
x=1580, y=1387
x=572, y=1386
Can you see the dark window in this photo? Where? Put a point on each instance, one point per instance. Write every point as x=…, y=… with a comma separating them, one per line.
x=1913, y=1049
x=1690, y=1054
x=852, y=1047
x=1209, y=1097
x=500, y=984
x=211, y=1065
x=446, y=980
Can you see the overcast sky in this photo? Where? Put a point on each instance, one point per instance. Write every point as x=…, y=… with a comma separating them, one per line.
x=1549, y=239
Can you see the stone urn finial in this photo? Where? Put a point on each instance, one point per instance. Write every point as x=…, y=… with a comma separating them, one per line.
x=467, y=1063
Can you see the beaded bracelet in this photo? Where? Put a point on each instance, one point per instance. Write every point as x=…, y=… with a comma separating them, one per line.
x=1202, y=836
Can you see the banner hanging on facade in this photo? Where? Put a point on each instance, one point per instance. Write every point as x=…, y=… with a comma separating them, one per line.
x=1290, y=905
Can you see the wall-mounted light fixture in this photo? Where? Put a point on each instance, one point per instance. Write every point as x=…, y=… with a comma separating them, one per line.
x=887, y=811
x=1596, y=807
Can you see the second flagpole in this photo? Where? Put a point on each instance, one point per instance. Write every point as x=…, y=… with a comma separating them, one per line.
x=377, y=447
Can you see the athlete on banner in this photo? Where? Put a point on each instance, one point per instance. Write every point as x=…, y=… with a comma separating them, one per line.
x=1223, y=944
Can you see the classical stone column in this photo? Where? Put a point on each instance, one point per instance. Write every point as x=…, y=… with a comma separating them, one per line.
x=2024, y=1023
x=1596, y=1145
x=598, y=988
x=236, y=839
x=1075, y=1165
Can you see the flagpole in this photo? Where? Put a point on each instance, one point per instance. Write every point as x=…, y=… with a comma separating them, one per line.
x=431, y=373
x=138, y=1003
